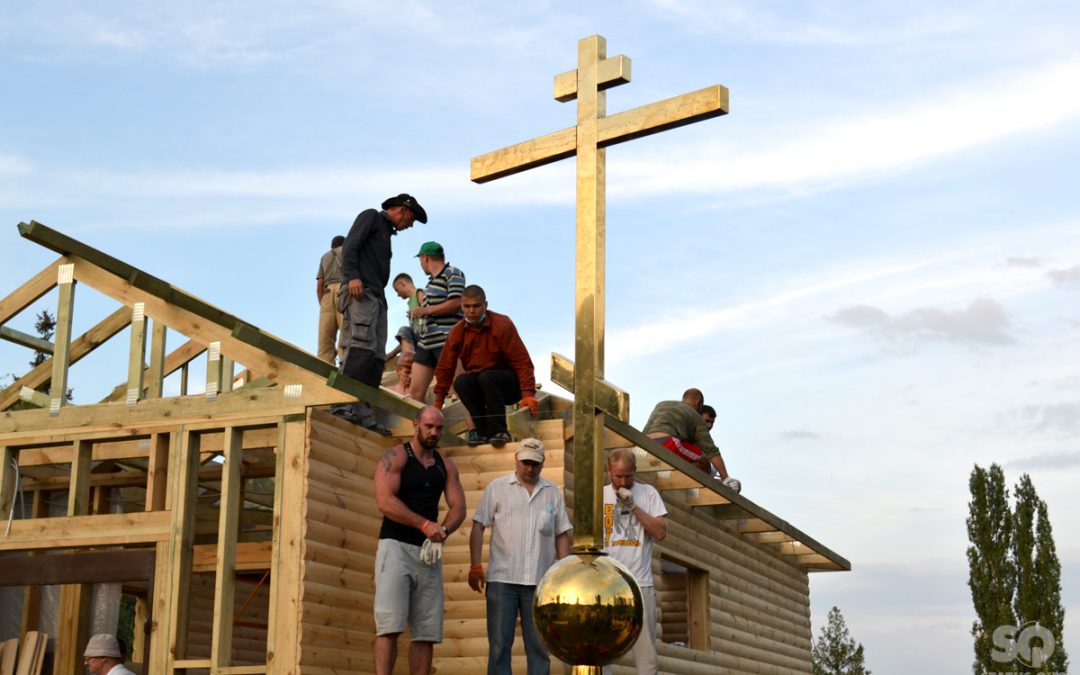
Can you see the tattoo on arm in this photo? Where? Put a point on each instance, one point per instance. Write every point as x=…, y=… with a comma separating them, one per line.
x=388, y=458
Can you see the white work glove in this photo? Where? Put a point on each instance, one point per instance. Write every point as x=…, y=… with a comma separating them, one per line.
x=430, y=552
x=732, y=483
x=626, y=498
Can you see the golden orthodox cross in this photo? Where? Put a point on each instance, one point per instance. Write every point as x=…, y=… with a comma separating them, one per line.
x=594, y=131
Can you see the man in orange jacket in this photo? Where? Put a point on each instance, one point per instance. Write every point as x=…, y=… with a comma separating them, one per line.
x=498, y=370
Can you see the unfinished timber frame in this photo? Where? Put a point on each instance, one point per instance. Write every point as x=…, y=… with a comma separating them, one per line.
x=242, y=517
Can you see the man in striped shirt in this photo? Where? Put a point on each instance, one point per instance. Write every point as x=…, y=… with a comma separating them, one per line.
x=439, y=311
x=529, y=530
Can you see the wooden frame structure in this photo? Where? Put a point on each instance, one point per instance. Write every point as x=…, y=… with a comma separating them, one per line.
x=253, y=507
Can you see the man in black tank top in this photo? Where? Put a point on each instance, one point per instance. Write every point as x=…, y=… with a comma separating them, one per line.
x=409, y=480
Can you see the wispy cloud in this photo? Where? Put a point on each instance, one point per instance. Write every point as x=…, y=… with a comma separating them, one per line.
x=813, y=25
x=800, y=435
x=1047, y=460
x=1024, y=261
x=1065, y=277
x=1060, y=418
x=983, y=322
x=864, y=147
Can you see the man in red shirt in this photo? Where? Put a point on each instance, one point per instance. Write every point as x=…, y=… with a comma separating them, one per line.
x=498, y=370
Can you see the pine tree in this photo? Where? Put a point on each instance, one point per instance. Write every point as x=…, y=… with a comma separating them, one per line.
x=835, y=652
x=1038, y=590
x=992, y=569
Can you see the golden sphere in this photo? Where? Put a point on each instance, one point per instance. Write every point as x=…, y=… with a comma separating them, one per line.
x=588, y=609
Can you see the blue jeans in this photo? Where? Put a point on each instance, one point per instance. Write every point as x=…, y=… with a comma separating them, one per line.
x=504, y=603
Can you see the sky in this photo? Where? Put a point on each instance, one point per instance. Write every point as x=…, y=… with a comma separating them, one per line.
x=871, y=266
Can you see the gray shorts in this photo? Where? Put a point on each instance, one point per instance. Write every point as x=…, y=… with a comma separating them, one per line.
x=407, y=593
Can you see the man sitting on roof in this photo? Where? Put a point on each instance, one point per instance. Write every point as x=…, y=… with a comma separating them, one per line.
x=680, y=428
x=498, y=370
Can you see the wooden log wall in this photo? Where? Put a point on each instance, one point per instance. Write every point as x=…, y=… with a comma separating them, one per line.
x=249, y=628
x=758, y=603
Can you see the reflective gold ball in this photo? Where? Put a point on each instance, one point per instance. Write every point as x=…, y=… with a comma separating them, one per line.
x=588, y=609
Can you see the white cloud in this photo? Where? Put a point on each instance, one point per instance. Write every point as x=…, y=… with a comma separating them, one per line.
x=983, y=322
x=865, y=147
x=1065, y=277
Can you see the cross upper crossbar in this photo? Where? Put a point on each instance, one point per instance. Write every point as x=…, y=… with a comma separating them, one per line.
x=648, y=119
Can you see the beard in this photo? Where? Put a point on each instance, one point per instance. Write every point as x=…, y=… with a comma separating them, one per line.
x=428, y=442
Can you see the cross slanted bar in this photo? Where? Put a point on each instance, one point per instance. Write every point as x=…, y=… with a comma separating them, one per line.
x=595, y=130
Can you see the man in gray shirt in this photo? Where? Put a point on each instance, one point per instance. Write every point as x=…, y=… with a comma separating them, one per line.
x=327, y=285
x=365, y=258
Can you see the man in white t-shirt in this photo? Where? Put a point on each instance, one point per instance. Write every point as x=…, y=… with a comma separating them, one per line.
x=634, y=517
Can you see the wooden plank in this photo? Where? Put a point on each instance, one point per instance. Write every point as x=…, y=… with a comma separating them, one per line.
x=8, y=487
x=79, y=490
x=31, y=608
x=72, y=627
x=228, y=368
x=31, y=291
x=136, y=354
x=237, y=405
x=61, y=353
x=161, y=446
x=155, y=374
x=86, y=343
x=185, y=469
x=610, y=72
x=213, y=370
x=83, y=531
x=26, y=340
x=250, y=556
x=8, y=651
x=670, y=113
x=231, y=501
x=28, y=653
x=283, y=635
x=89, y=567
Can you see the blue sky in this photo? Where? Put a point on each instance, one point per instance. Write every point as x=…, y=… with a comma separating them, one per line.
x=871, y=266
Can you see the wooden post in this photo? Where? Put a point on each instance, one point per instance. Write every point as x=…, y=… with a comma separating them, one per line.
x=8, y=487
x=64, y=309
x=231, y=500
x=213, y=370
x=73, y=620
x=31, y=611
x=227, y=368
x=161, y=448
x=155, y=376
x=137, y=355
x=185, y=469
x=283, y=635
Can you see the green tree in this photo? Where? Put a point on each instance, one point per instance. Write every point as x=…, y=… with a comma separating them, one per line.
x=992, y=570
x=835, y=652
x=1038, y=588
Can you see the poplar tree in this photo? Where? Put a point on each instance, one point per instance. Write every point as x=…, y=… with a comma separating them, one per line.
x=992, y=569
x=835, y=652
x=1038, y=588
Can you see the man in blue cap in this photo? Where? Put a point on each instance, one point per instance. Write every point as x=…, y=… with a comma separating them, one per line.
x=366, y=265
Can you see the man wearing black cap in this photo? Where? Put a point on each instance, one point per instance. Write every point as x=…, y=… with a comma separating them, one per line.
x=366, y=262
